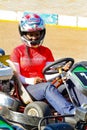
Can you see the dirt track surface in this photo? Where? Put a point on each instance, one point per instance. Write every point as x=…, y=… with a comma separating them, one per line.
x=64, y=42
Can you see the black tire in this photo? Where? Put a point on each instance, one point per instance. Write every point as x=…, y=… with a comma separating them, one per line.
x=37, y=108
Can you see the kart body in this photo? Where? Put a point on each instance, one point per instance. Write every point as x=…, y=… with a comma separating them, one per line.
x=14, y=109
x=79, y=76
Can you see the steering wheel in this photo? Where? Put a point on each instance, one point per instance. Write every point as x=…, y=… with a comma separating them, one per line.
x=58, y=67
x=54, y=67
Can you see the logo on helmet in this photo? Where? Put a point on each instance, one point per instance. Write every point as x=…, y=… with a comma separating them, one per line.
x=34, y=20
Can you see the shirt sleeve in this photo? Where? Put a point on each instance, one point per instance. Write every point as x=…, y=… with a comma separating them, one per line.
x=25, y=80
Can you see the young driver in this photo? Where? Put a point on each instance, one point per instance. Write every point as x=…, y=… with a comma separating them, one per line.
x=31, y=57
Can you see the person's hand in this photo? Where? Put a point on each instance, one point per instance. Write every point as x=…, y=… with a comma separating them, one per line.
x=38, y=80
x=66, y=67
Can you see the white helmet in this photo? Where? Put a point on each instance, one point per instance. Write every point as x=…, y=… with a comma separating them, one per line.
x=29, y=23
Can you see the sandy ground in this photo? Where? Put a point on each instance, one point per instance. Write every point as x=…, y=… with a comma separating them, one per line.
x=64, y=42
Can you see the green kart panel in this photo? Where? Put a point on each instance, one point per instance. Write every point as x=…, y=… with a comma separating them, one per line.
x=5, y=125
x=79, y=74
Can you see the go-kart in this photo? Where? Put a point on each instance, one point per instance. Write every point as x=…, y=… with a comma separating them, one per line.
x=20, y=105
x=29, y=112
x=19, y=91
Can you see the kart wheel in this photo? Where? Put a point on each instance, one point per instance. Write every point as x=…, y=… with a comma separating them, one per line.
x=37, y=108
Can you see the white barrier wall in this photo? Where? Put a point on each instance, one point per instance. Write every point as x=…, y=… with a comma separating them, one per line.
x=8, y=15
x=56, y=19
x=67, y=20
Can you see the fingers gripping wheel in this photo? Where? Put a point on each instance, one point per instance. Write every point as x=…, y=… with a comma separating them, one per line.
x=53, y=68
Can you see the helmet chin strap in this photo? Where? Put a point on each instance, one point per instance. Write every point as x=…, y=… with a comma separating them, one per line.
x=29, y=43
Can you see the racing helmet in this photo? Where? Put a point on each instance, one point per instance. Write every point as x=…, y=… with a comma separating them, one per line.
x=31, y=22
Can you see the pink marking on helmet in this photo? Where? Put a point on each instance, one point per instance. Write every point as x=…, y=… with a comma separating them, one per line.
x=36, y=16
x=27, y=16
